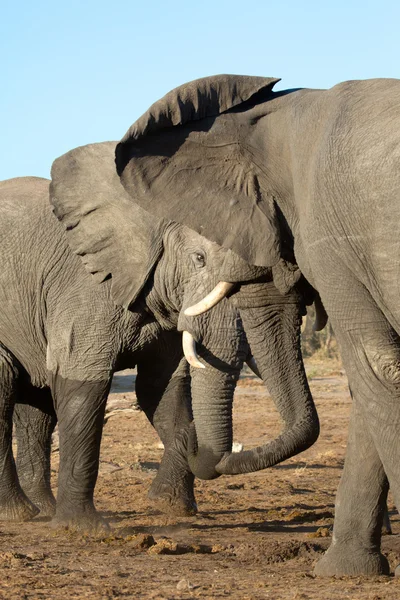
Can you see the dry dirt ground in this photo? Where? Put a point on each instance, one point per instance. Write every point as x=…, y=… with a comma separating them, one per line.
x=255, y=536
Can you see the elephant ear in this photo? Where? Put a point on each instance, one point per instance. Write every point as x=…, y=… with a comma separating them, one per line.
x=112, y=235
x=187, y=159
x=205, y=97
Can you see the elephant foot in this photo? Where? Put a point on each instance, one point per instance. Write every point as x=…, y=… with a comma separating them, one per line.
x=17, y=507
x=178, y=500
x=45, y=502
x=349, y=559
x=83, y=522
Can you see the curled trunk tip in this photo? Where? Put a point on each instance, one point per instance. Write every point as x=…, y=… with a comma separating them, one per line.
x=288, y=444
x=282, y=370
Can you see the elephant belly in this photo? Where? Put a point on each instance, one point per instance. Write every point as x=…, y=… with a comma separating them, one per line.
x=30, y=353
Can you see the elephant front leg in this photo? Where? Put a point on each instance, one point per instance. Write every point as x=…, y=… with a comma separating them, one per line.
x=80, y=408
x=163, y=391
x=360, y=508
x=14, y=504
x=34, y=425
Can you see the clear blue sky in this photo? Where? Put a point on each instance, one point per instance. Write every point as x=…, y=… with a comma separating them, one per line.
x=81, y=71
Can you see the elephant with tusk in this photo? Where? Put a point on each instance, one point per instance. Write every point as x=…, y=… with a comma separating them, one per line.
x=314, y=176
x=104, y=289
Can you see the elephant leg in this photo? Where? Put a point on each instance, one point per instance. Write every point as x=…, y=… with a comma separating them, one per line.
x=371, y=355
x=360, y=508
x=14, y=504
x=34, y=424
x=80, y=407
x=386, y=525
x=163, y=392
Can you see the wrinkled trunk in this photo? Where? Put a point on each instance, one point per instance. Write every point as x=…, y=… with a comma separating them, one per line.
x=211, y=437
x=222, y=348
x=273, y=333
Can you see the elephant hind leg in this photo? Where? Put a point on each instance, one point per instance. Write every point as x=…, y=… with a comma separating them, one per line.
x=34, y=424
x=14, y=504
x=360, y=508
x=371, y=355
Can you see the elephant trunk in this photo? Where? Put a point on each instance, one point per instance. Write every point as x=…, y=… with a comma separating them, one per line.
x=274, y=337
x=210, y=437
x=219, y=342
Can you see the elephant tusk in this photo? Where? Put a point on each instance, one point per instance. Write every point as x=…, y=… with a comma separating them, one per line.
x=251, y=363
x=216, y=295
x=189, y=350
x=321, y=318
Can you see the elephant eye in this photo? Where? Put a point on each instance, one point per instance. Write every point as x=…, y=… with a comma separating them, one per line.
x=199, y=259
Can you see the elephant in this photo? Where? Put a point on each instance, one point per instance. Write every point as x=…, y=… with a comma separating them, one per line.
x=104, y=290
x=314, y=175
x=61, y=340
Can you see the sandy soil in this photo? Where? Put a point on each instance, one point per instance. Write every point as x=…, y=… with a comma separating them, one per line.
x=256, y=536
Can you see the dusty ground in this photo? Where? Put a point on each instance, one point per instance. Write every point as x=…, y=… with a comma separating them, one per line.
x=256, y=536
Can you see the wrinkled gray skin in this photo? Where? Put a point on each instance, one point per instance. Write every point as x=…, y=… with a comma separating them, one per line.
x=102, y=226
x=317, y=171
x=63, y=336
x=62, y=331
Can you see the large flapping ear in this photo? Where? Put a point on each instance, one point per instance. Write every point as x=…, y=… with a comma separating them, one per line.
x=198, y=99
x=185, y=160
x=112, y=234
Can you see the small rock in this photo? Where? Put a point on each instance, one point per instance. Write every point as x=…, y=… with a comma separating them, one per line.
x=235, y=486
x=217, y=548
x=166, y=546
x=144, y=541
x=321, y=532
x=183, y=585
